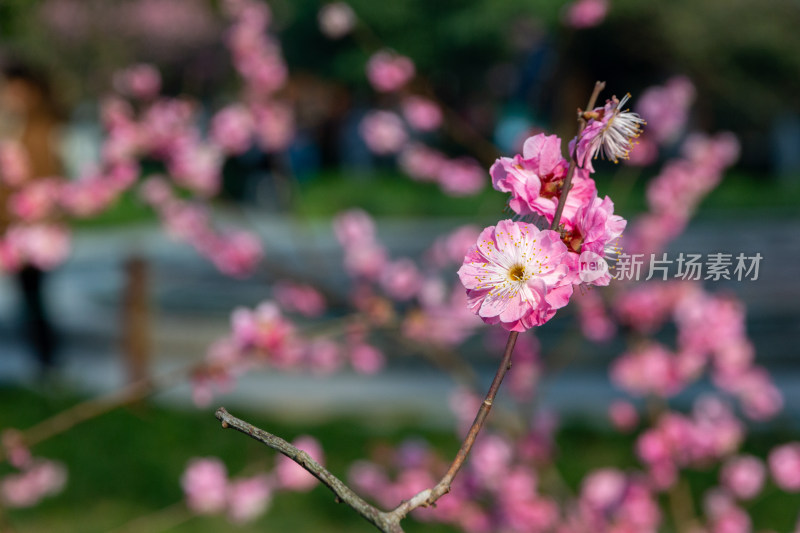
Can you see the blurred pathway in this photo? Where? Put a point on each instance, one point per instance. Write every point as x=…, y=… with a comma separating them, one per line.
x=192, y=303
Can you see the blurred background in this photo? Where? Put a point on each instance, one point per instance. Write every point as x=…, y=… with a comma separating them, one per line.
x=130, y=302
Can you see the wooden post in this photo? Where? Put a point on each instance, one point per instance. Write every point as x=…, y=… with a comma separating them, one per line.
x=136, y=320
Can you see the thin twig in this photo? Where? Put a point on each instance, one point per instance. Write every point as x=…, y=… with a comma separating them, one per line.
x=598, y=86
x=375, y=516
x=83, y=411
x=429, y=496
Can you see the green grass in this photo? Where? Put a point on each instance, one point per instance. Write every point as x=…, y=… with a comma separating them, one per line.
x=388, y=193
x=127, y=463
x=391, y=194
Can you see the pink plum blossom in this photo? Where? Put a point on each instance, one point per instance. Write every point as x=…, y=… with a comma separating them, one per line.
x=462, y=176
x=205, y=485
x=197, y=167
x=352, y=226
x=784, y=465
x=43, y=245
x=596, y=324
x=87, y=197
x=366, y=359
x=142, y=81
x=421, y=162
x=650, y=369
x=248, y=498
x=401, y=279
x=593, y=226
x=232, y=128
x=274, y=126
x=236, y=253
x=383, y=132
x=535, y=178
x=39, y=479
x=304, y=299
x=744, y=476
x=623, y=415
x=36, y=200
x=583, y=14
x=264, y=328
x=14, y=163
x=388, y=71
x=603, y=489
x=516, y=275
x=421, y=113
x=610, y=133
x=336, y=19
x=666, y=108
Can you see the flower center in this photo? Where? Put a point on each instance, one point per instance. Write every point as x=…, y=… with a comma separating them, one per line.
x=516, y=273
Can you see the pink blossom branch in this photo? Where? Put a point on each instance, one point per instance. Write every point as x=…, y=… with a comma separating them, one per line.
x=388, y=522
x=598, y=86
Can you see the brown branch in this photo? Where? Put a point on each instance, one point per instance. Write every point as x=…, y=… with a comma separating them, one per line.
x=386, y=521
x=429, y=496
x=598, y=86
x=380, y=519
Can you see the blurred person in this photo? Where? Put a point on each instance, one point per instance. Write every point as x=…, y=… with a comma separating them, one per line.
x=30, y=116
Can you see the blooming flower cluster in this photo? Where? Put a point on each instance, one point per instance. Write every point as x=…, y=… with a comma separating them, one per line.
x=675, y=193
x=264, y=336
x=677, y=441
x=519, y=274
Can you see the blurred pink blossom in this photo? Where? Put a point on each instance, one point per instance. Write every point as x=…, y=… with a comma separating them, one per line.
x=274, y=126
x=142, y=81
x=36, y=200
x=14, y=164
x=336, y=19
x=366, y=359
x=388, y=71
x=248, y=498
x=462, y=176
x=401, y=279
x=744, y=476
x=263, y=328
x=421, y=163
x=205, y=485
x=666, y=108
x=582, y=14
x=43, y=245
x=623, y=415
x=784, y=465
x=303, y=299
x=232, y=128
x=383, y=132
x=39, y=479
x=422, y=113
